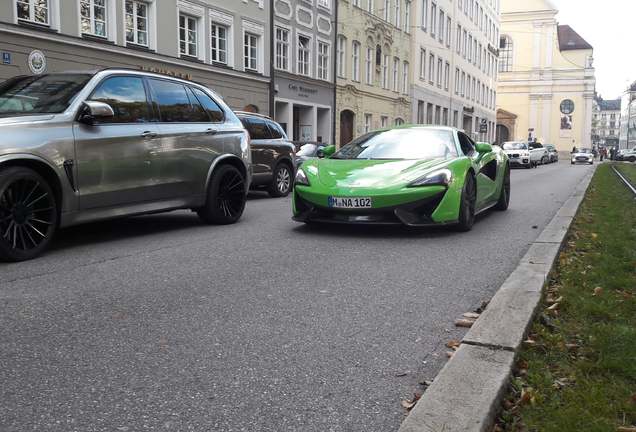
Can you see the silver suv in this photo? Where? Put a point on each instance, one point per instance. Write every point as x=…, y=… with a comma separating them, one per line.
x=83, y=146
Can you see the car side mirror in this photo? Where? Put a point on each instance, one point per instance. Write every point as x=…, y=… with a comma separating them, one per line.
x=94, y=110
x=483, y=147
x=327, y=151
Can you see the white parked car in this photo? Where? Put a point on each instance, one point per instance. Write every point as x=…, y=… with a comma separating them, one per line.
x=583, y=155
x=627, y=155
x=521, y=154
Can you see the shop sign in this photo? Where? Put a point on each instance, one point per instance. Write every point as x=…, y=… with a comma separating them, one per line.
x=483, y=126
x=302, y=91
x=6, y=58
x=37, y=62
x=169, y=72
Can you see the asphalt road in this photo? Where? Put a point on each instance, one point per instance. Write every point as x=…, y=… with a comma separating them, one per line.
x=161, y=323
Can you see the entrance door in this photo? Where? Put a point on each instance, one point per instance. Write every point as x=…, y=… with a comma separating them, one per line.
x=503, y=134
x=346, y=126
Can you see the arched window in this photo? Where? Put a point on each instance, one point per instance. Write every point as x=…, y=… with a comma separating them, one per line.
x=505, y=53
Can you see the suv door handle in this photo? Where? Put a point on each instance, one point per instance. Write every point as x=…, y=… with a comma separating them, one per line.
x=210, y=131
x=149, y=134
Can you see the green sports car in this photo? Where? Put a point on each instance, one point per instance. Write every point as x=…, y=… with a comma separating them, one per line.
x=408, y=175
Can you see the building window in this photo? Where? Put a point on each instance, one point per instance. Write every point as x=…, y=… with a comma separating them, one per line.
x=355, y=60
x=356, y=3
x=399, y=122
x=187, y=35
x=93, y=17
x=398, y=12
x=369, y=66
x=440, y=32
x=387, y=10
x=407, y=16
x=36, y=11
x=370, y=7
x=456, y=81
x=424, y=14
x=449, y=31
x=463, y=84
x=405, y=77
x=303, y=64
x=368, y=119
x=323, y=60
x=470, y=48
x=431, y=68
x=385, y=72
x=325, y=3
x=422, y=64
x=250, y=51
x=384, y=122
x=137, y=22
x=282, y=48
x=446, y=76
x=458, y=42
x=342, y=44
x=396, y=72
x=440, y=65
x=218, y=41
x=505, y=54
x=433, y=19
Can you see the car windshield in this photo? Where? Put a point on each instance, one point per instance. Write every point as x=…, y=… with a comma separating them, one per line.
x=307, y=150
x=413, y=143
x=585, y=150
x=515, y=146
x=42, y=94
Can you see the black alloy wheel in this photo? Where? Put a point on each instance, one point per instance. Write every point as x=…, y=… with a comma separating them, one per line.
x=282, y=182
x=467, y=205
x=28, y=214
x=504, y=197
x=226, y=197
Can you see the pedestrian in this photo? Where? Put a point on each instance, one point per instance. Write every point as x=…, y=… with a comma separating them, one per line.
x=602, y=153
x=573, y=149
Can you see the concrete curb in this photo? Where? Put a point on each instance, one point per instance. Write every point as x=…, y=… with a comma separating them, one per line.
x=466, y=393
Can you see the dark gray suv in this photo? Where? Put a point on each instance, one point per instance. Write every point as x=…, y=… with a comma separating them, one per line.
x=83, y=146
x=272, y=154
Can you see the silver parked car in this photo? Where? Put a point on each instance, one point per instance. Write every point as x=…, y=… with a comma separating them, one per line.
x=83, y=146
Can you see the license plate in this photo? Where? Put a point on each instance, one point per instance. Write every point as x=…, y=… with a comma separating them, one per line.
x=350, y=203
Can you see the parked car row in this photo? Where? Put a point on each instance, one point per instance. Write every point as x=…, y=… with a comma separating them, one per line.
x=530, y=155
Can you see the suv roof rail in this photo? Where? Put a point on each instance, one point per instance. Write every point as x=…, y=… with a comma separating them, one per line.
x=239, y=112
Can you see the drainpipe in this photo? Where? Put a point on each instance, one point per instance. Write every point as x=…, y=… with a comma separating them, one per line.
x=272, y=85
x=334, y=72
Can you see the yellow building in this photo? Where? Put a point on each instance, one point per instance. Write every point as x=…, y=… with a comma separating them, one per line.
x=372, y=65
x=546, y=77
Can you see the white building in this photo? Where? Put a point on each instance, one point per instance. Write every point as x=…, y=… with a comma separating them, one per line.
x=606, y=122
x=454, y=57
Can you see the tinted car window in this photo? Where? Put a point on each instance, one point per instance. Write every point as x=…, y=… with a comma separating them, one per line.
x=174, y=104
x=275, y=130
x=40, y=94
x=257, y=128
x=127, y=96
x=199, y=114
x=214, y=110
x=467, y=145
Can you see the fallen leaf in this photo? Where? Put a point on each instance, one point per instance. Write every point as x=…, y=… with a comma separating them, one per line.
x=527, y=396
x=597, y=291
x=472, y=315
x=529, y=342
x=553, y=307
x=522, y=364
x=453, y=343
x=406, y=404
x=634, y=398
x=464, y=323
x=571, y=346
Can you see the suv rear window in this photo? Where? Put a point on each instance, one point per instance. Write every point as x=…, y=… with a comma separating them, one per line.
x=275, y=129
x=174, y=104
x=214, y=110
x=257, y=128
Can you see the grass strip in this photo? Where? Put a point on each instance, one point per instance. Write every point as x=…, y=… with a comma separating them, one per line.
x=577, y=370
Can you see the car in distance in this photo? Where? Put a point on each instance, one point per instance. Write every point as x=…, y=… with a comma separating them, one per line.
x=553, y=153
x=519, y=154
x=408, y=175
x=84, y=146
x=309, y=151
x=539, y=153
x=583, y=155
x=627, y=155
x=272, y=154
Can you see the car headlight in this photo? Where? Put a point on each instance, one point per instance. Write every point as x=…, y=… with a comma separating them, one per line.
x=301, y=178
x=441, y=177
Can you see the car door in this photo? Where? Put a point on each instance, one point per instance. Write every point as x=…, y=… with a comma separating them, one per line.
x=485, y=166
x=113, y=154
x=283, y=149
x=190, y=137
x=263, y=152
